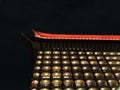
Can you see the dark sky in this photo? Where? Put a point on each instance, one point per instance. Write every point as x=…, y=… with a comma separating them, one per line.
x=53, y=16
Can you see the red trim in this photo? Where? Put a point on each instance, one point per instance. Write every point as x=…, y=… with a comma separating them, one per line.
x=75, y=36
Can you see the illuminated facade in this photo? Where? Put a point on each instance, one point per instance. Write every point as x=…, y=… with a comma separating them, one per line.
x=75, y=62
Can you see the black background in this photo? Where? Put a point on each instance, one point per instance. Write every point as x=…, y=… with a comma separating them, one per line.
x=53, y=16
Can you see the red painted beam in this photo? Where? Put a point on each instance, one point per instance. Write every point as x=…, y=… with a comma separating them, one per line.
x=43, y=35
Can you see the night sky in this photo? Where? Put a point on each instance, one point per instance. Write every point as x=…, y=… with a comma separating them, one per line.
x=53, y=16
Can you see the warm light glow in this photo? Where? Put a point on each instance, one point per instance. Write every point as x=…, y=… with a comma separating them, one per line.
x=72, y=52
x=89, y=53
x=91, y=82
x=56, y=57
x=112, y=82
x=46, y=68
x=100, y=57
x=66, y=68
x=33, y=89
x=82, y=57
x=38, y=62
x=118, y=53
x=65, y=57
x=81, y=52
x=56, y=75
x=45, y=75
x=65, y=62
x=47, y=62
x=36, y=75
x=68, y=89
x=44, y=89
x=34, y=83
x=91, y=57
x=56, y=68
x=56, y=82
x=97, y=53
x=74, y=62
x=37, y=68
x=68, y=82
x=75, y=68
x=47, y=57
x=79, y=82
x=45, y=83
x=47, y=52
x=56, y=89
x=73, y=57
x=67, y=75
x=64, y=52
x=56, y=52
x=40, y=52
x=39, y=57
x=56, y=62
